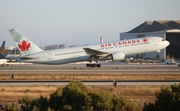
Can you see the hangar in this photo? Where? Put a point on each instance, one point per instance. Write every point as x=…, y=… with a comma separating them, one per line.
x=167, y=29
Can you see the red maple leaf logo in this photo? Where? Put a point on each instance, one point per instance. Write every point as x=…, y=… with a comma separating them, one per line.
x=24, y=45
x=145, y=40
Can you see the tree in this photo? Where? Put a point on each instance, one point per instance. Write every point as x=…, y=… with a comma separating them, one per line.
x=55, y=100
x=40, y=104
x=12, y=107
x=72, y=97
x=25, y=103
x=101, y=101
x=77, y=97
x=168, y=99
x=123, y=104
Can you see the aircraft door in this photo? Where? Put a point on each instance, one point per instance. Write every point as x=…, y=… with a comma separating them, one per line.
x=49, y=56
x=154, y=42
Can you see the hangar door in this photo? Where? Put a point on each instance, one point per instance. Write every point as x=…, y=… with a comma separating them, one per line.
x=173, y=50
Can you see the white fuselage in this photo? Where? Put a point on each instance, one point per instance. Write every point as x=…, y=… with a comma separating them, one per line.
x=77, y=54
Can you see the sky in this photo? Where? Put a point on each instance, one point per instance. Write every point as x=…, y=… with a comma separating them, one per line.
x=79, y=22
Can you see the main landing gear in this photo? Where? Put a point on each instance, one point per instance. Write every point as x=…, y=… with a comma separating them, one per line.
x=96, y=59
x=93, y=65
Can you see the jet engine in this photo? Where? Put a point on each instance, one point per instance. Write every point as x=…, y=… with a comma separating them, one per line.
x=115, y=56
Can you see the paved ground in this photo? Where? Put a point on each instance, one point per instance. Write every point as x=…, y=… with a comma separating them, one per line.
x=94, y=83
x=113, y=68
x=82, y=69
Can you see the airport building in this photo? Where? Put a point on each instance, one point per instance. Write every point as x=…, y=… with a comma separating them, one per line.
x=167, y=29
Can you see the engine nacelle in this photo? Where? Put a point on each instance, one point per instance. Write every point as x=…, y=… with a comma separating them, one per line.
x=115, y=56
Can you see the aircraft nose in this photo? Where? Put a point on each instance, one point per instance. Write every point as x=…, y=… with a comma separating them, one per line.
x=166, y=43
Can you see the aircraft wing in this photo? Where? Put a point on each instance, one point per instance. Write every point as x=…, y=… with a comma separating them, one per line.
x=92, y=52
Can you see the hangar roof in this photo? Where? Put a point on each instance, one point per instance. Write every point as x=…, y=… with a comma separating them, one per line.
x=157, y=25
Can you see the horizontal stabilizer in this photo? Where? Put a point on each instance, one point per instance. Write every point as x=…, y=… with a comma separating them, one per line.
x=27, y=58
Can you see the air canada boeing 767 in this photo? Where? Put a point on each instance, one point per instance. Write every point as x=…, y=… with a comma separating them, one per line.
x=114, y=51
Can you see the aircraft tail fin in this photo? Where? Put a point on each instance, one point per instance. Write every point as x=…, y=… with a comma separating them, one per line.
x=2, y=50
x=25, y=46
x=2, y=47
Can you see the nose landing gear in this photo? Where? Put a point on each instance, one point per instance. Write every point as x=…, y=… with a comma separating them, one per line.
x=158, y=55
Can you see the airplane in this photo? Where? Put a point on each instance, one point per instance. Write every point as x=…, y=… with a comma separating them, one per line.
x=10, y=57
x=114, y=51
x=2, y=56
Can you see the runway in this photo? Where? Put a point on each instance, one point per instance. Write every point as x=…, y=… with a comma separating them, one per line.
x=81, y=69
x=115, y=71
x=89, y=82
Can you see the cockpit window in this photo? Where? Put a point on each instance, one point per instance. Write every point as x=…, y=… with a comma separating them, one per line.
x=163, y=39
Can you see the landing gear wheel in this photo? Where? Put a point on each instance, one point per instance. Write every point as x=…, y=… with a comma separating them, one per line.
x=98, y=65
x=88, y=65
x=158, y=56
x=94, y=65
